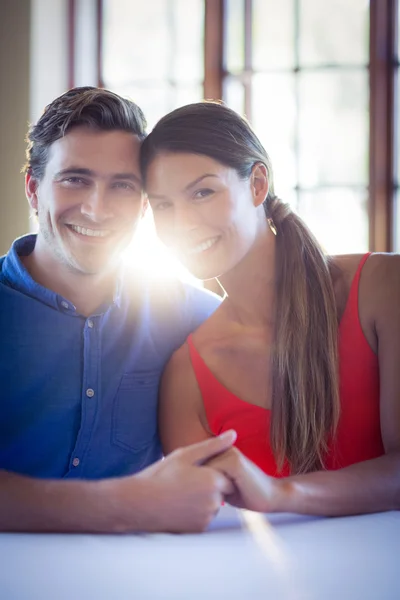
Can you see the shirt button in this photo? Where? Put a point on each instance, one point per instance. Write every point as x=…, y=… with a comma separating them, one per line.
x=76, y=462
x=64, y=304
x=89, y=393
x=90, y=323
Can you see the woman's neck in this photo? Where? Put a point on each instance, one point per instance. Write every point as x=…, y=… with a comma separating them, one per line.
x=251, y=284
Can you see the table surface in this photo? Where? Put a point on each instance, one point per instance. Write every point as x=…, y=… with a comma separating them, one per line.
x=243, y=556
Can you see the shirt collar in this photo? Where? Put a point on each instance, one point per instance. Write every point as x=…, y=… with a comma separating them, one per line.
x=19, y=278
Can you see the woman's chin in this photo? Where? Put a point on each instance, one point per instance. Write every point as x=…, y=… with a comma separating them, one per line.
x=203, y=272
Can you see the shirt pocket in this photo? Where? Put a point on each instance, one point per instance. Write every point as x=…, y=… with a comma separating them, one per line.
x=134, y=420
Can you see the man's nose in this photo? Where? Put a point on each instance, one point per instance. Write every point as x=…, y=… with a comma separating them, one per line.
x=97, y=206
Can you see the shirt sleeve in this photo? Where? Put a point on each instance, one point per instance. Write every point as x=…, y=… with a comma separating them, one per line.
x=199, y=305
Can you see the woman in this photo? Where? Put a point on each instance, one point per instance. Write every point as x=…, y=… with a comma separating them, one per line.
x=302, y=358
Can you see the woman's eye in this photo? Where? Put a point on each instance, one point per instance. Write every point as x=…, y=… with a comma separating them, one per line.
x=203, y=193
x=160, y=207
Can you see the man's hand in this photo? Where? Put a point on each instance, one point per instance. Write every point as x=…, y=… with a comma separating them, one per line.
x=253, y=489
x=180, y=493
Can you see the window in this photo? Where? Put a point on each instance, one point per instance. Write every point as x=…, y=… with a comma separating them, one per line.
x=300, y=73
x=153, y=52
x=318, y=80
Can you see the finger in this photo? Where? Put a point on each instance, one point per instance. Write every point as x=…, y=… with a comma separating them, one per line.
x=199, y=453
x=225, y=486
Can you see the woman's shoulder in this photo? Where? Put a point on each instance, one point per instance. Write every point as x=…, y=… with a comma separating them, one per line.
x=379, y=281
x=343, y=269
x=379, y=268
x=377, y=264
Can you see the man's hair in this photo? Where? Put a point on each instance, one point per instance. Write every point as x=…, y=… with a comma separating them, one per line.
x=92, y=107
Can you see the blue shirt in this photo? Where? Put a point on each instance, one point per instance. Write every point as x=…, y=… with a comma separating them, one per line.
x=79, y=394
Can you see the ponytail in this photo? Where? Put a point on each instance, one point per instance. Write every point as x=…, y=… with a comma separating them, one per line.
x=305, y=389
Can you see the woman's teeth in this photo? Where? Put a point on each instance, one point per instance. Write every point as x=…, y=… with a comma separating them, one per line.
x=90, y=232
x=203, y=246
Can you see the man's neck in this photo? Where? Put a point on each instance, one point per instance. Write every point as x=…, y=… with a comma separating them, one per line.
x=86, y=292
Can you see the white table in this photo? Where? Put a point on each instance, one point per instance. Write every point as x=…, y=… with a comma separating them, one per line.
x=243, y=556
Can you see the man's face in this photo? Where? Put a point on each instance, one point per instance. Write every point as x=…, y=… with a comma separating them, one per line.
x=89, y=200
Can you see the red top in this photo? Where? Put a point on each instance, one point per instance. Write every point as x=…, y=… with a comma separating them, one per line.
x=358, y=436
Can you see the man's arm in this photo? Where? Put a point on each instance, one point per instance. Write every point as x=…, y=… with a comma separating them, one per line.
x=177, y=494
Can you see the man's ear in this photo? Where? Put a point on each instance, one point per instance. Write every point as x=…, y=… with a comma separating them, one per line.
x=31, y=191
x=259, y=183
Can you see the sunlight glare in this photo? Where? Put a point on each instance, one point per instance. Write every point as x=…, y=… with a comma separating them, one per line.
x=148, y=253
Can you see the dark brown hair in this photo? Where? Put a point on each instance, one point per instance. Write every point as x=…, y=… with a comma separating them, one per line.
x=305, y=396
x=82, y=106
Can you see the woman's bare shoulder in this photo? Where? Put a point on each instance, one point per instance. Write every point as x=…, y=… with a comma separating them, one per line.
x=378, y=265
x=380, y=279
x=343, y=268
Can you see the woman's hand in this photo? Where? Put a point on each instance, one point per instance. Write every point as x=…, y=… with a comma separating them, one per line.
x=253, y=489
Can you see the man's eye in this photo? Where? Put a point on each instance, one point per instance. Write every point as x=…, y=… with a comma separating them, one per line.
x=123, y=185
x=74, y=181
x=203, y=193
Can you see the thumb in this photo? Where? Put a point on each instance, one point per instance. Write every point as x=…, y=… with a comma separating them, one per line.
x=199, y=453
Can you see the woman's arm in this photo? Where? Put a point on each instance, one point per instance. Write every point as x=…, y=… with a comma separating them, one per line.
x=370, y=486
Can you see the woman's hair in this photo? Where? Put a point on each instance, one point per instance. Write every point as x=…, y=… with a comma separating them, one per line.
x=304, y=361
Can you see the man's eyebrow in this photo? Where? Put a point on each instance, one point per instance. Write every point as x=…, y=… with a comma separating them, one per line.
x=91, y=173
x=75, y=171
x=129, y=176
x=196, y=181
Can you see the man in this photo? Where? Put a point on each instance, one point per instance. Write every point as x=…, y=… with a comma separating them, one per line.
x=83, y=344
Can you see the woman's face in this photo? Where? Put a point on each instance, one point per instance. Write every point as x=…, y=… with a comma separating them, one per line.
x=203, y=211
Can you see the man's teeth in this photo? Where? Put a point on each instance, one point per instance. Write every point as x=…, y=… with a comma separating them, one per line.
x=90, y=232
x=203, y=246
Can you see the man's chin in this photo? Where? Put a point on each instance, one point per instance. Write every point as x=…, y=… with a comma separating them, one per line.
x=95, y=267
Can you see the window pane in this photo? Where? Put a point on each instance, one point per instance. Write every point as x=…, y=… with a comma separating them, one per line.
x=234, y=35
x=333, y=127
x=185, y=95
x=396, y=217
x=334, y=32
x=337, y=217
x=273, y=118
x=187, y=39
x=398, y=31
x=158, y=99
x=273, y=34
x=234, y=94
x=397, y=121
x=173, y=50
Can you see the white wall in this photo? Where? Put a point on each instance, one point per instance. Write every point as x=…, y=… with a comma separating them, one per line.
x=48, y=53
x=33, y=71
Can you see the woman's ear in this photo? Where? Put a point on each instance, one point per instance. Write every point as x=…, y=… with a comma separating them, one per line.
x=259, y=183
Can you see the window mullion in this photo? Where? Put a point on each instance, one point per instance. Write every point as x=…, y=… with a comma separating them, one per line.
x=381, y=163
x=213, y=48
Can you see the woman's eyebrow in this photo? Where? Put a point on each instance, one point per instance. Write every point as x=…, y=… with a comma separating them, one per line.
x=196, y=181
x=188, y=187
